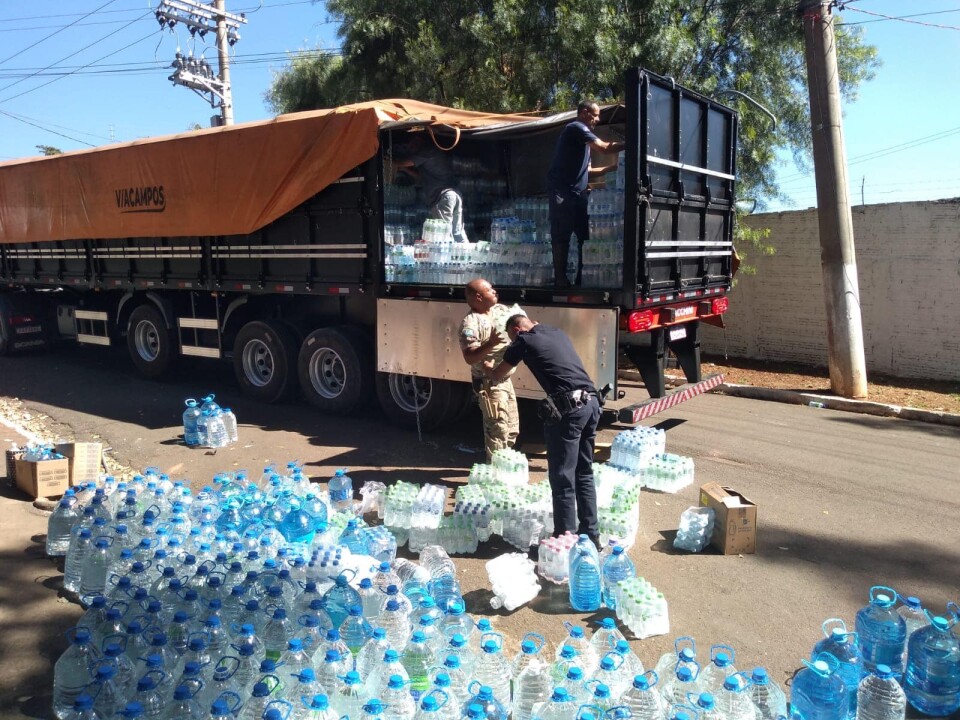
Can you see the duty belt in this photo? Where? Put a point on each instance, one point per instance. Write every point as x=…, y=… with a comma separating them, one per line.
x=571, y=400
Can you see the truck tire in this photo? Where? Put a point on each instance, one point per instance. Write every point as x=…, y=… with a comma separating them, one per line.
x=335, y=367
x=400, y=397
x=151, y=344
x=264, y=360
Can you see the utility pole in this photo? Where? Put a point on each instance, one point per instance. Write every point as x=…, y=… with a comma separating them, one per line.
x=196, y=74
x=226, y=107
x=848, y=373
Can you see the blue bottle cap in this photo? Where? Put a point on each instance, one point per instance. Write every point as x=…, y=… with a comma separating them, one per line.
x=759, y=676
x=560, y=695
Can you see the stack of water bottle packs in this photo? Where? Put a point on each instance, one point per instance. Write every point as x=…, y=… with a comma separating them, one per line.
x=206, y=424
x=641, y=451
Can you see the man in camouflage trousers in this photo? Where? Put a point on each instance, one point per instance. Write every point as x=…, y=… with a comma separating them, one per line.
x=480, y=342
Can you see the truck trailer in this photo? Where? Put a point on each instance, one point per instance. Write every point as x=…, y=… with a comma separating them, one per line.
x=293, y=249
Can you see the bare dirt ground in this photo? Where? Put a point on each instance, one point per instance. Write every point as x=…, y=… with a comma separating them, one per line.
x=924, y=394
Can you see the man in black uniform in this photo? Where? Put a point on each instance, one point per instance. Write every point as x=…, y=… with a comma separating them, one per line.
x=570, y=413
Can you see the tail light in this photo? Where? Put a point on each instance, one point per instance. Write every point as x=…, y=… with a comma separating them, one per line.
x=720, y=305
x=639, y=320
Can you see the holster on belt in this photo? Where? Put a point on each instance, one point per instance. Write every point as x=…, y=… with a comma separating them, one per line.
x=487, y=405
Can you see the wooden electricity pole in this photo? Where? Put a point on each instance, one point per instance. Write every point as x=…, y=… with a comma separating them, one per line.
x=848, y=373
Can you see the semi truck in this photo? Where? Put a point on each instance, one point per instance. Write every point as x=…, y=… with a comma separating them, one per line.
x=292, y=249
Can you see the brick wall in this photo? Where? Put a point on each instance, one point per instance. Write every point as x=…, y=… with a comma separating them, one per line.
x=908, y=260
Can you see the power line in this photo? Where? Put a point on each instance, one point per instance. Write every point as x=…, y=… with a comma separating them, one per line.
x=45, y=129
x=76, y=52
x=63, y=27
x=56, y=32
x=905, y=18
x=67, y=15
x=135, y=42
x=901, y=17
x=882, y=152
x=18, y=116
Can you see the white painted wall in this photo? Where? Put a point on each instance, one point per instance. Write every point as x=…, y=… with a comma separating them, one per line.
x=908, y=258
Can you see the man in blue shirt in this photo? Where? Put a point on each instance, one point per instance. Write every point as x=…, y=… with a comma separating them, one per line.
x=567, y=188
x=570, y=413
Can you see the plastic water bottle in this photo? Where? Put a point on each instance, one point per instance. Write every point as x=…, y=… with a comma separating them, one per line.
x=933, y=669
x=399, y=704
x=881, y=632
x=642, y=698
x=340, y=489
x=684, y=653
x=769, y=700
x=82, y=709
x=73, y=671
x=585, y=583
x=488, y=706
x=733, y=699
x=880, y=697
x=705, y=706
x=560, y=706
x=191, y=434
x=587, y=656
x=355, y=630
x=531, y=677
x=719, y=668
x=60, y=524
x=230, y=424
x=818, y=692
x=677, y=686
x=612, y=673
x=339, y=599
x=80, y=543
x=843, y=646
x=417, y=660
x=379, y=676
x=493, y=669
x=616, y=567
x=96, y=564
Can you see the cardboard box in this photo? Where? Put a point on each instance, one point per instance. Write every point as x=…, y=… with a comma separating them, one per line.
x=735, y=528
x=84, y=460
x=44, y=478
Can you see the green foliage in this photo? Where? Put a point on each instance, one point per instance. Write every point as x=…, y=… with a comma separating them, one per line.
x=749, y=241
x=539, y=55
x=49, y=150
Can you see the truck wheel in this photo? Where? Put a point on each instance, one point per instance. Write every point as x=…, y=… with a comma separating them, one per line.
x=151, y=344
x=335, y=367
x=401, y=396
x=264, y=360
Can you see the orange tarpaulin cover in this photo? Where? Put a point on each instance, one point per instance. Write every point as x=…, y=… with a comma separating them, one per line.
x=220, y=181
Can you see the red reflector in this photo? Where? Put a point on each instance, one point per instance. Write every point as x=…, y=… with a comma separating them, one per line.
x=639, y=320
x=720, y=305
x=21, y=319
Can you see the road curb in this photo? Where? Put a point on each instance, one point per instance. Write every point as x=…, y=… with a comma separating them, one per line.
x=831, y=402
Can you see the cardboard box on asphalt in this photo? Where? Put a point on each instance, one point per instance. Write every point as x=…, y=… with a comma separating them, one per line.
x=735, y=527
x=43, y=478
x=84, y=460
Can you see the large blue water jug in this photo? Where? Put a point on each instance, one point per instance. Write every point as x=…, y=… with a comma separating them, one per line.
x=881, y=632
x=933, y=669
x=843, y=646
x=191, y=436
x=585, y=580
x=818, y=692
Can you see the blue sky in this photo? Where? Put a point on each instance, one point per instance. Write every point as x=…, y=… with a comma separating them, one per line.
x=95, y=71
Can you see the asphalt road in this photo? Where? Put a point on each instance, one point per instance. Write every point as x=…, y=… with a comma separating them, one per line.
x=845, y=501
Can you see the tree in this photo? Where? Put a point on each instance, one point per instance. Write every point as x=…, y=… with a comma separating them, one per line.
x=513, y=55
x=49, y=150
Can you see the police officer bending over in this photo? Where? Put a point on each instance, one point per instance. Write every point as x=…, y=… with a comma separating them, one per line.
x=570, y=413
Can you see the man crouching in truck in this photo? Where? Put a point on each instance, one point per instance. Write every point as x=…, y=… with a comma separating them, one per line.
x=570, y=413
x=480, y=342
